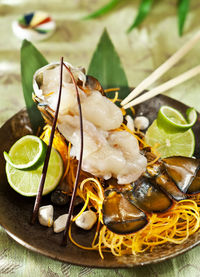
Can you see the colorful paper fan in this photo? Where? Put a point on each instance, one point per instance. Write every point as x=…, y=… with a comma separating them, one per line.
x=34, y=26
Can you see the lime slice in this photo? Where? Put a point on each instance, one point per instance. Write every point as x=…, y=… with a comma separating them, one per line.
x=170, y=144
x=26, y=182
x=26, y=153
x=173, y=121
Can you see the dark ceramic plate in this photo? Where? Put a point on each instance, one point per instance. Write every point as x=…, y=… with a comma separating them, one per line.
x=15, y=210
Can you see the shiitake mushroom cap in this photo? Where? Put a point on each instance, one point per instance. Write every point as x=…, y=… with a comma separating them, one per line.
x=120, y=215
x=182, y=170
x=93, y=84
x=176, y=176
x=147, y=196
x=194, y=188
x=167, y=185
x=125, y=210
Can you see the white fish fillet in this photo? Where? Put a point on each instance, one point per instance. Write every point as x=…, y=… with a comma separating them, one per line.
x=107, y=153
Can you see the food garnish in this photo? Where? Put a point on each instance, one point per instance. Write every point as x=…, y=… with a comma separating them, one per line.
x=45, y=215
x=172, y=121
x=71, y=206
x=120, y=215
x=27, y=153
x=170, y=144
x=86, y=220
x=26, y=182
x=59, y=224
x=49, y=147
x=141, y=123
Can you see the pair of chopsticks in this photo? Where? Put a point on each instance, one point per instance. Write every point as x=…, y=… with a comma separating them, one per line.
x=131, y=99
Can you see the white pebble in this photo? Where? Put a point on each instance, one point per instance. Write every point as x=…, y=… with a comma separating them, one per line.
x=45, y=215
x=60, y=223
x=86, y=220
x=141, y=122
x=130, y=123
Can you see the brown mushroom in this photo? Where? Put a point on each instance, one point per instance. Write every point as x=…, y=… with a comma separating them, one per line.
x=120, y=215
x=149, y=197
x=182, y=170
x=168, y=185
x=195, y=185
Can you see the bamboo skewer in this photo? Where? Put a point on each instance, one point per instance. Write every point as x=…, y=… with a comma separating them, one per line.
x=164, y=87
x=48, y=152
x=162, y=68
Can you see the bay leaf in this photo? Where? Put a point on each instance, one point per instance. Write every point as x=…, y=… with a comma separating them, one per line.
x=183, y=9
x=31, y=60
x=103, y=10
x=143, y=10
x=106, y=66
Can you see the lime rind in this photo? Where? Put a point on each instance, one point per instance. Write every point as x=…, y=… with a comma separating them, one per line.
x=170, y=144
x=7, y=158
x=26, y=160
x=172, y=121
x=191, y=116
x=26, y=182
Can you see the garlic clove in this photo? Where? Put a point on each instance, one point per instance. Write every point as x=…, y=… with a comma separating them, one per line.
x=141, y=122
x=86, y=220
x=45, y=215
x=60, y=223
x=130, y=123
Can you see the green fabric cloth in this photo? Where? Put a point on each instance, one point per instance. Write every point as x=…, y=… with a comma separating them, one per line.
x=141, y=51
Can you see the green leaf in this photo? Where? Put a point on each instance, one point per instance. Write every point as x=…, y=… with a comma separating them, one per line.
x=144, y=9
x=183, y=9
x=106, y=66
x=31, y=60
x=105, y=9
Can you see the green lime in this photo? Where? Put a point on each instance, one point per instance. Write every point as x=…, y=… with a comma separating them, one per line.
x=170, y=144
x=26, y=182
x=26, y=153
x=173, y=121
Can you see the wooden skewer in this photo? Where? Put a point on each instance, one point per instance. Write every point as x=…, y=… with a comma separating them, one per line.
x=71, y=205
x=48, y=153
x=163, y=68
x=164, y=87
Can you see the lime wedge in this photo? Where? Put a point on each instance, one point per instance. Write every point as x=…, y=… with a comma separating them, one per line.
x=26, y=153
x=173, y=121
x=26, y=182
x=170, y=144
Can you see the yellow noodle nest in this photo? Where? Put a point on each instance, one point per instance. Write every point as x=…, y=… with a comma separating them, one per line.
x=174, y=226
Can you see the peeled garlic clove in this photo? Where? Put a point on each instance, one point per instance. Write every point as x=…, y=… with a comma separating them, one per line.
x=60, y=223
x=86, y=220
x=141, y=122
x=45, y=215
x=130, y=123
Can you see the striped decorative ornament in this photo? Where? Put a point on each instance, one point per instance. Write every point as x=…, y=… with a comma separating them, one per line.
x=34, y=26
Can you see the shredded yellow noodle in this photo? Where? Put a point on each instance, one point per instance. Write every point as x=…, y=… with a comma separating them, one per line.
x=172, y=226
